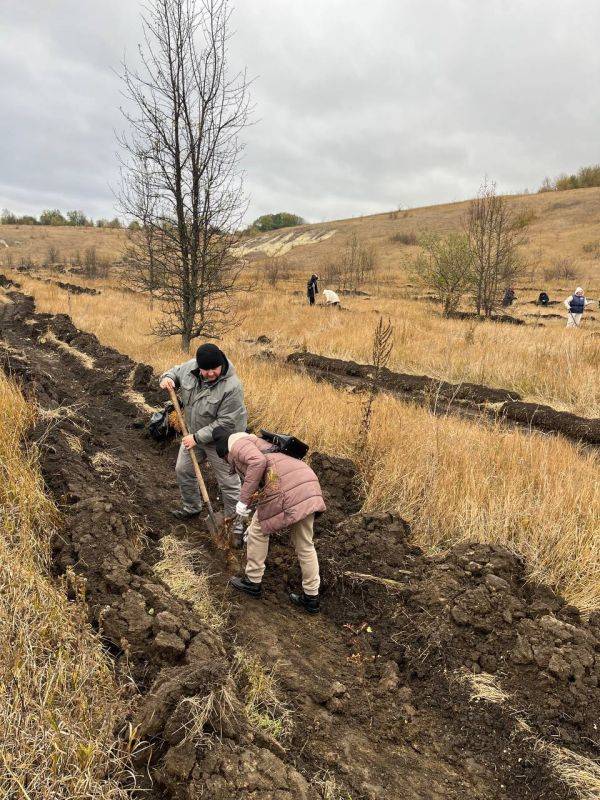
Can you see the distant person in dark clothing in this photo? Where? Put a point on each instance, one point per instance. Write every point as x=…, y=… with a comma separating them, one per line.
x=509, y=297
x=312, y=289
x=543, y=299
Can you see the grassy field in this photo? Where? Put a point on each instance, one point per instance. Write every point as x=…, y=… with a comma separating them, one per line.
x=59, y=698
x=452, y=479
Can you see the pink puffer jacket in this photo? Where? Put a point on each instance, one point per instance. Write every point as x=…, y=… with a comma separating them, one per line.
x=288, y=489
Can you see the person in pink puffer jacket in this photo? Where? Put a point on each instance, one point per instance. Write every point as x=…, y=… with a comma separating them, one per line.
x=288, y=495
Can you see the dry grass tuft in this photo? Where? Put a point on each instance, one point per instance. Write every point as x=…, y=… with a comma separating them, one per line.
x=263, y=707
x=135, y=397
x=74, y=442
x=181, y=569
x=83, y=358
x=328, y=788
x=483, y=687
x=213, y=709
x=581, y=774
x=59, y=701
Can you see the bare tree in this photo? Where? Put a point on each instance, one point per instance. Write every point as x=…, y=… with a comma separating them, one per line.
x=181, y=179
x=494, y=238
x=446, y=266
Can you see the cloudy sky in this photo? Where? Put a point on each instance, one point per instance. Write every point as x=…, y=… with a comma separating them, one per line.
x=360, y=106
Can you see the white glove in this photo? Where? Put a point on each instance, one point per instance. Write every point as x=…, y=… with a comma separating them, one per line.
x=241, y=509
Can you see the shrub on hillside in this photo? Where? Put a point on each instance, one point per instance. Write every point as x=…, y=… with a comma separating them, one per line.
x=445, y=266
x=592, y=248
x=409, y=238
x=52, y=256
x=560, y=269
x=524, y=218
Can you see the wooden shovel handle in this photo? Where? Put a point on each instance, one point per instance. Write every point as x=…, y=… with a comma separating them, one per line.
x=199, y=477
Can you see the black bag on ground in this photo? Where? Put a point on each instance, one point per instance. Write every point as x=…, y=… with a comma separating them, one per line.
x=158, y=427
x=286, y=444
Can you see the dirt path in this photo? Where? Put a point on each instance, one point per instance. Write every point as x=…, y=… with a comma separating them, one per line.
x=378, y=685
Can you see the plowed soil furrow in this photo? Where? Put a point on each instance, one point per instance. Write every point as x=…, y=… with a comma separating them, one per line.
x=380, y=705
x=466, y=399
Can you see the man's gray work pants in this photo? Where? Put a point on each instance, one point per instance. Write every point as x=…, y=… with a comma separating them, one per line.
x=229, y=485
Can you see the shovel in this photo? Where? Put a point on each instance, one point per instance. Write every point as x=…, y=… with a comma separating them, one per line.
x=212, y=520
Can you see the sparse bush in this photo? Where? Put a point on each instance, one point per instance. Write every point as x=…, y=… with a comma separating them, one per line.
x=26, y=263
x=331, y=273
x=560, y=269
x=356, y=263
x=52, y=256
x=592, y=248
x=90, y=262
x=409, y=238
x=274, y=271
x=524, y=218
x=446, y=267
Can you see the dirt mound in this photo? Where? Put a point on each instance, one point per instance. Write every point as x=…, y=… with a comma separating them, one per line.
x=441, y=396
x=411, y=386
x=374, y=695
x=73, y=288
x=471, y=315
x=6, y=283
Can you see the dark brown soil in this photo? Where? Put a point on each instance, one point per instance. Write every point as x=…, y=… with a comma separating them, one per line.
x=441, y=397
x=73, y=288
x=375, y=682
x=471, y=315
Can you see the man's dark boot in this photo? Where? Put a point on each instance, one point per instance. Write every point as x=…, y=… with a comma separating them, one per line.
x=243, y=584
x=308, y=602
x=180, y=513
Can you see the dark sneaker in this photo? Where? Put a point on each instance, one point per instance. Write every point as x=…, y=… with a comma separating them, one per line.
x=243, y=584
x=179, y=513
x=308, y=602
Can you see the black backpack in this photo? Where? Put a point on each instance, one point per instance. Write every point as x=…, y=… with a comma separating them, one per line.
x=286, y=444
x=158, y=427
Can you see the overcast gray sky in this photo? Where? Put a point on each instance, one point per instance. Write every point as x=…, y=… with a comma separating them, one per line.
x=360, y=105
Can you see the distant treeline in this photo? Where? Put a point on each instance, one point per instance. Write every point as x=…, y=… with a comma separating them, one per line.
x=52, y=216
x=584, y=178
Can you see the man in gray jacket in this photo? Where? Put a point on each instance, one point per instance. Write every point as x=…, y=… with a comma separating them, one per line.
x=212, y=397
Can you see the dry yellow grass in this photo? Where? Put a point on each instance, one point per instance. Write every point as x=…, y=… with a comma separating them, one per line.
x=452, y=479
x=33, y=242
x=59, y=701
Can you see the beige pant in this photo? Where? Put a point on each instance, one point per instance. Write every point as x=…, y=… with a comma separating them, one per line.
x=574, y=320
x=302, y=538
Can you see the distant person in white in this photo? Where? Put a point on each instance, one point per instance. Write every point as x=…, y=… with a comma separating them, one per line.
x=331, y=298
x=575, y=305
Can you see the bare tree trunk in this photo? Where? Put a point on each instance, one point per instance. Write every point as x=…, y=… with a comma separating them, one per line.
x=181, y=179
x=494, y=239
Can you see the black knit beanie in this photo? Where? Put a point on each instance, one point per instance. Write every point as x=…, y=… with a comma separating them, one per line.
x=208, y=356
x=221, y=440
